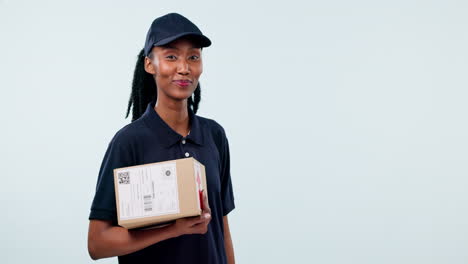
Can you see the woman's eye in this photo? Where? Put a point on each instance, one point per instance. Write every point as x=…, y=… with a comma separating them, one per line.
x=194, y=57
x=171, y=57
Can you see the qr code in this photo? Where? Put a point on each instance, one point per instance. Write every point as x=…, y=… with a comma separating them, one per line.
x=124, y=177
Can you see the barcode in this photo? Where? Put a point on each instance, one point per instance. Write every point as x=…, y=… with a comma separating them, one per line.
x=148, y=203
x=124, y=177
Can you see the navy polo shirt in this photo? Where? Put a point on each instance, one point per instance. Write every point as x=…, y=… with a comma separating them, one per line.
x=149, y=139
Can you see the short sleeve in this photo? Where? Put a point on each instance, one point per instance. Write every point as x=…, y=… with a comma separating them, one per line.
x=117, y=155
x=227, y=193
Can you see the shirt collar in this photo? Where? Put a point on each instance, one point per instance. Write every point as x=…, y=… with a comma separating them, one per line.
x=163, y=130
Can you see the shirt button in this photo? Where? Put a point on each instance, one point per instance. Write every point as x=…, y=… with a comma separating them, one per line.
x=183, y=141
x=187, y=154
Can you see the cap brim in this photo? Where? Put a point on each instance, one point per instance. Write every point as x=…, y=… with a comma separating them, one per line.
x=200, y=39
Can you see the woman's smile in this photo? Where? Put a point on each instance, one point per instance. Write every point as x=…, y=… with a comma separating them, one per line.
x=183, y=83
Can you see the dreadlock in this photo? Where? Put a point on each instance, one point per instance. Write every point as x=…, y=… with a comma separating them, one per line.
x=144, y=90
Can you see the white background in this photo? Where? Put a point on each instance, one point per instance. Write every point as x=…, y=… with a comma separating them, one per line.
x=347, y=122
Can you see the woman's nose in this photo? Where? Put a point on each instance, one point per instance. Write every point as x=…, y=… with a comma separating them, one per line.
x=183, y=67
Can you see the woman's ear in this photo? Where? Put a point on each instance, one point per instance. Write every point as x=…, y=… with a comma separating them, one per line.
x=149, y=66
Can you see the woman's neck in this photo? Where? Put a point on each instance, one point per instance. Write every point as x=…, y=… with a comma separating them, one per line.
x=175, y=114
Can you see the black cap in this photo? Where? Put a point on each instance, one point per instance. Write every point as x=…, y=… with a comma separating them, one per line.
x=170, y=27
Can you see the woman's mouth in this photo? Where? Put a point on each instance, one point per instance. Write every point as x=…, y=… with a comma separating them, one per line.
x=183, y=83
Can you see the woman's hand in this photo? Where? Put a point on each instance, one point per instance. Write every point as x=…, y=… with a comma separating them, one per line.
x=197, y=224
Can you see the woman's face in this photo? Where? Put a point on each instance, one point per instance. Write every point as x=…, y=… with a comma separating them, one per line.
x=176, y=68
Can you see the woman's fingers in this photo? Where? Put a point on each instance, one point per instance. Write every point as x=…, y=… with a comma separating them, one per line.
x=203, y=218
x=206, y=205
x=196, y=224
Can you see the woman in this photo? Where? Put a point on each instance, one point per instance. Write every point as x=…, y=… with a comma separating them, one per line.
x=164, y=127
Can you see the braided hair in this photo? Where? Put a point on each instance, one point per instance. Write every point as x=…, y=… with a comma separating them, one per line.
x=144, y=90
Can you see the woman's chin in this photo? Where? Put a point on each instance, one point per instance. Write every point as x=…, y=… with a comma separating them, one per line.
x=181, y=96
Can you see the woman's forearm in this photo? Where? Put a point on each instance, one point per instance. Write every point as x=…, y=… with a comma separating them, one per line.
x=117, y=241
x=228, y=242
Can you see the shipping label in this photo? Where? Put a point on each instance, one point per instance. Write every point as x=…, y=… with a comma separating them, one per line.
x=150, y=190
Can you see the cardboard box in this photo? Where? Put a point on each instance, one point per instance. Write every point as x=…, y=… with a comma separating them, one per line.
x=152, y=194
